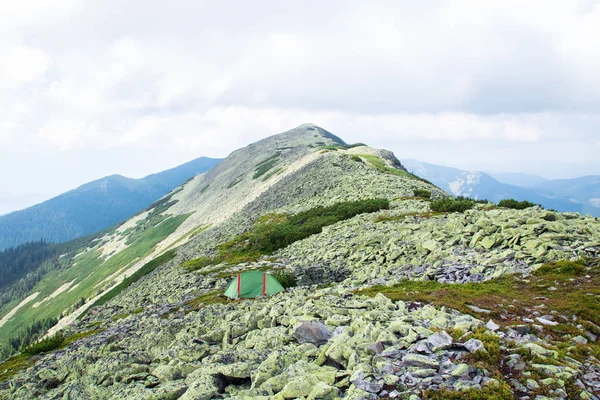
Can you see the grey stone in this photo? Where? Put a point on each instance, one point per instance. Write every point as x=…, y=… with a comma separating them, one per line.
x=375, y=348
x=473, y=345
x=545, y=321
x=417, y=360
x=312, y=332
x=478, y=310
x=439, y=341
x=492, y=326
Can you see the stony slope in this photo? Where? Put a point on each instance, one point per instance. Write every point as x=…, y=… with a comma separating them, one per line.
x=349, y=329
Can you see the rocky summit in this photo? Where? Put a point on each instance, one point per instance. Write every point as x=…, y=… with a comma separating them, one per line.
x=394, y=289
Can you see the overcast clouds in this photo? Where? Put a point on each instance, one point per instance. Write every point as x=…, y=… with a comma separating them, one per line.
x=91, y=88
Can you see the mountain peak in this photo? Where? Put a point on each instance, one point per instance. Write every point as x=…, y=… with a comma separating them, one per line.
x=307, y=134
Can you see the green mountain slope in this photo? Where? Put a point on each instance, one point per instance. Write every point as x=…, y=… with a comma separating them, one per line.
x=93, y=206
x=387, y=298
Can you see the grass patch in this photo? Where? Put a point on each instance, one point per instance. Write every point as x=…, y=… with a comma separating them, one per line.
x=499, y=391
x=270, y=174
x=275, y=231
x=379, y=164
x=335, y=147
x=28, y=357
x=204, y=188
x=265, y=165
x=514, y=204
x=575, y=294
x=15, y=364
x=213, y=297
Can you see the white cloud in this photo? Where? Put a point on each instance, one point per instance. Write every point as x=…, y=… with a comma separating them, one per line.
x=70, y=133
x=21, y=65
x=195, y=78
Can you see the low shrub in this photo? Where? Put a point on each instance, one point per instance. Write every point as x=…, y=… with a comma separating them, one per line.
x=514, y=204
x=498, y=391
x=562, y=267
x=286, y=278
x=267, y=238
x=459, y=204
x=265, y=165
x=197, y=263
x=426, y=194
x=45, y=345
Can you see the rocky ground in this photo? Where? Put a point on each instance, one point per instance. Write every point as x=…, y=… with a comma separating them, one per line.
x=180, y=339
x=402, y=303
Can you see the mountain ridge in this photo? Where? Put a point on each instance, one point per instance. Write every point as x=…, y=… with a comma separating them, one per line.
x=417, y=294
x=552, y=194
x=93, y=206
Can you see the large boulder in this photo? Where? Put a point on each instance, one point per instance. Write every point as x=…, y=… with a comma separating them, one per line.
x=312, y=332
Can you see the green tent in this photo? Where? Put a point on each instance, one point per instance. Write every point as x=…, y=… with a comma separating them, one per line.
x=253, y=284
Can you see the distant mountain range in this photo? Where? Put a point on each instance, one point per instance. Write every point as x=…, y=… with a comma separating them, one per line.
x=518, y=178
x=578, y=194
x=94, y=206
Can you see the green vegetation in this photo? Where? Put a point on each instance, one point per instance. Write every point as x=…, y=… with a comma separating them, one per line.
x=379, y=164
x=274, y=172
x=163, y=204
x=422, y=193
x=286, y=278
x=27, y=357
x=189, y=235
x=459, y=204
x=575, y=294
x=78, y=262
x=267, y=238
x=26, y=336
x=508, y=299
x=356, y=158
x=501, y=391
x=335, y=147
x=204, y=188
x=146, y=269
x=45, y=345
x=235, y=182
x=15, y=364
x=265, y=165
x=517, y=205
x=19, y=261
x=274, y=231
x=213, y=297
x=490, y=356
x=198, y=263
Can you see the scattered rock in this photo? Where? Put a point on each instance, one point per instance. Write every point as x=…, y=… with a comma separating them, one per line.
x=492, y=326
x=473, y=345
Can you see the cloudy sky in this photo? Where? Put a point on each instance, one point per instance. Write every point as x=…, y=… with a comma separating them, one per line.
x=92, y=88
